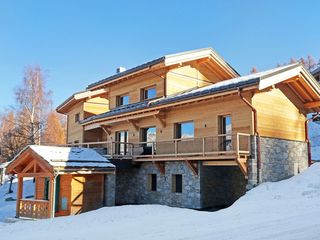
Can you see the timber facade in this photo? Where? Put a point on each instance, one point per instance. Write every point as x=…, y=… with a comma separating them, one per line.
x=187, y=130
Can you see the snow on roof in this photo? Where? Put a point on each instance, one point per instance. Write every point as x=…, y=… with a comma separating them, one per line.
x=226, y=85
x=71, y=157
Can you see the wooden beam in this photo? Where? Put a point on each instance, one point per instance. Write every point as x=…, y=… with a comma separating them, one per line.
x=161, y=119
x=220, y=163
x=19, y=195
x=193, y=166
x=160, y=166
x=313, y=104
x=106, y=129
x=29, y=166
x=133, y=124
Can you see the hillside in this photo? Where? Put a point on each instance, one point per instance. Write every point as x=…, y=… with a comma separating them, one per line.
x=288, y=209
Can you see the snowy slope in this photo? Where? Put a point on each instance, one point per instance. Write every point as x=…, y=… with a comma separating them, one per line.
x=8, y=208
x=285, y=210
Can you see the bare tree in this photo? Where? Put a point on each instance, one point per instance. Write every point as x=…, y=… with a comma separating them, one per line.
x=33, y=102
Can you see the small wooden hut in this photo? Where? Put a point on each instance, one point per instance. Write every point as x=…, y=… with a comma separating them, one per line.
x=68, y=180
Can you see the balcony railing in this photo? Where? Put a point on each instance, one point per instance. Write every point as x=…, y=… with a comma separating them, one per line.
x=35, y=209
x=219, y=145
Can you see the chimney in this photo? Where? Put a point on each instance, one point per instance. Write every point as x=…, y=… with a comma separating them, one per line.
x=120, y=69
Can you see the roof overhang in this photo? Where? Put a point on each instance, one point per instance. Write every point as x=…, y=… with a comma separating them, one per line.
x=156, y=110
x=297, y=80
x=78, y=97
x=169, y=61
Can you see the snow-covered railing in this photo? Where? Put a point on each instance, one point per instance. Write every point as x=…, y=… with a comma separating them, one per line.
x=34, y=209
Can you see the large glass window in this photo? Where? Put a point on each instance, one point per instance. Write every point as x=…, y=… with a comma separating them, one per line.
x=123, y=100
x=148, y=93
x=184, y=130
x=148, y=137
x=121, y=140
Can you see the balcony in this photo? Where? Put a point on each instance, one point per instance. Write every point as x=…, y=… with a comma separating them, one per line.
x=223, y=146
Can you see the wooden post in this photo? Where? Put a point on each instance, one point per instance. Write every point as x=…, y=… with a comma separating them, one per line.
x=175, y=147
x=51, y=197
x=19, y=195
x=203, y=146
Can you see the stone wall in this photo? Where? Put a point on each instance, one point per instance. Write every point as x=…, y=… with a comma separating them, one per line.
x=109, y=189
x=281, y=159
x=132, y=186
x=221, y=186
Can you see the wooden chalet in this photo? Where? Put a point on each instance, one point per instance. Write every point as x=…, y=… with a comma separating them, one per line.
x=191, y=112
x=187, y=130
x=67, y=180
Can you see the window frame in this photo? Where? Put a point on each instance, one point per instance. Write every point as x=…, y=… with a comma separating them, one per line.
x=118, y=99
x=175, y=182
x=178, y=127
x=152, y=182
x=143, y=93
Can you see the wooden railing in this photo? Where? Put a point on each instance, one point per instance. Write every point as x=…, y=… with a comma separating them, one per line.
x=35, y=209
x=222, y=144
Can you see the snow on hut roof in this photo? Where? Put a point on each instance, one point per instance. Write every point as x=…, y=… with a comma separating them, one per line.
x=223, y=86
x=71, y=157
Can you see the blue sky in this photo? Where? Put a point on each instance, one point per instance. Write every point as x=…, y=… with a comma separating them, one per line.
x=79, y=42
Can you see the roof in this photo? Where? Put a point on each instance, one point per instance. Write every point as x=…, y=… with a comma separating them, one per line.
x=72, y=157
x=168, y=60
x=77, y=97
x=223, y=86
x=315, y=71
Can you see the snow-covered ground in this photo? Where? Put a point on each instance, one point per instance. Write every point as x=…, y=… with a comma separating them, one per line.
x=288, y=209
x=7, y=201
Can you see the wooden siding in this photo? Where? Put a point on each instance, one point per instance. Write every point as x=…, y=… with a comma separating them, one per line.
x=204, y=114
x=87, y=193
x=133, y=87
x=184, y=78
x=39, y=188
x=65, y=193
x=75, y=130
x=278, y=117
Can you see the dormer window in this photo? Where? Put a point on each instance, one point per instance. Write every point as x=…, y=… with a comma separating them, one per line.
x=148, y=93
x=123, y=100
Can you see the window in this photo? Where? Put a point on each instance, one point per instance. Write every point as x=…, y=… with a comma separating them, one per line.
x=148, y=93
x=225, y=131
x=123, y=100
x=121, y=140
x=152, y=182
x=77, y=117
x=177, y=183
x=184, y=130
x=148, y=137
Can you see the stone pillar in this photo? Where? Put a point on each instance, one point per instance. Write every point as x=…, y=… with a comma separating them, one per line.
x=253, y=164
x=109, y=189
